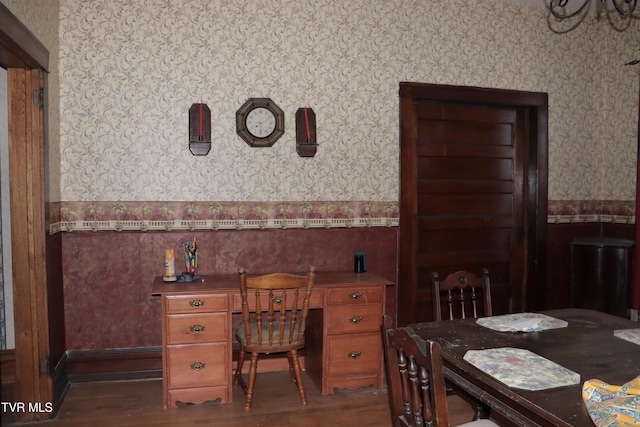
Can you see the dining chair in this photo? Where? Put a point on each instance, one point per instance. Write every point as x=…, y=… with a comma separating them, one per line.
x=462, y=291
x=274, y=314
x=417, y=394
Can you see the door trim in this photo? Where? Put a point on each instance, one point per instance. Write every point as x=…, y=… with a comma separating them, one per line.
x=26, y=61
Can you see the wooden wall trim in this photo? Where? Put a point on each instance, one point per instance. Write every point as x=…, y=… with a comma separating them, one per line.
x=26, y=60
x=469, y=94
x=28, y=228
x=114, y=364
x=19, y=47
x=60, y=382
x=135, y=363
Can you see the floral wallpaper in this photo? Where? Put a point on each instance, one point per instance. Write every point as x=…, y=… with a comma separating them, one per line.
x=129, y=70
x=124, y=74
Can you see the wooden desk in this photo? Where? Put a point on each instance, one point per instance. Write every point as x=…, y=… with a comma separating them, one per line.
x=343, y=341
x=587, y=346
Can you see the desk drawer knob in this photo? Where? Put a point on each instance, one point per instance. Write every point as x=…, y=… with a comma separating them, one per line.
x=354, y=354
x=196, y=303
x=196, y=329
x=196, y=366
x=355, y=295
x=356, y=319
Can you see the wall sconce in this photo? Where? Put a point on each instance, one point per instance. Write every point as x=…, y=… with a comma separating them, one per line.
x=306, y=142
x=199, y=129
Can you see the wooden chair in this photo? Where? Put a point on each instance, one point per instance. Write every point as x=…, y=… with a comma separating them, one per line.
x=274, y=314
x=461, y=290
x=415, y=380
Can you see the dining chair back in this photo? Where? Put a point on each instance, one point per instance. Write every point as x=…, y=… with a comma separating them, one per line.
x=466, y=295
x=414, y=375
x=417, y=394
x=274, y=314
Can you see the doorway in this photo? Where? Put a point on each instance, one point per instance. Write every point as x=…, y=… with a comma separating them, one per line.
x=473, y=193
x=36, y=254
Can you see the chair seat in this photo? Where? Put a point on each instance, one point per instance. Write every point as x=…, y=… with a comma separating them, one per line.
x=480, y=423
x=266, y=346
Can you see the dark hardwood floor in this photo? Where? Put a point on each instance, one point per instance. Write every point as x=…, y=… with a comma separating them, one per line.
x=276, y=402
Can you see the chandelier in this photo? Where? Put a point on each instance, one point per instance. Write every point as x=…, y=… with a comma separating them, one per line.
x=557, y=7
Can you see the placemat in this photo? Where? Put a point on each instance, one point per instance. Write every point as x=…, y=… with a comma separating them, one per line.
x=519, y=368
x=632, y=335
x=612, y=405
x=521, y=322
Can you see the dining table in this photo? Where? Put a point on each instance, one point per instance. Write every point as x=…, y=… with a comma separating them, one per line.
x=549, y=365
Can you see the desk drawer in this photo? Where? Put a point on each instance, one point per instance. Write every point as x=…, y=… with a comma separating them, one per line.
x=196, y=303
x=353, y=318
x=314, y=302
x=355, y=354
x=197, y=328
x=197, y=365
x=355, y=295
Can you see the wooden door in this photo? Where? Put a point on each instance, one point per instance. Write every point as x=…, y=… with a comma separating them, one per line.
x=471, y=193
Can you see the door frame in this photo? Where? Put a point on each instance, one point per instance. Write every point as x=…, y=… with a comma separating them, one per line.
x=26, y=60
x=535, y=105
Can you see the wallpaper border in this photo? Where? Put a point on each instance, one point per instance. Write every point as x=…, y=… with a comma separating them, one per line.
x=575, y=211
x=167, y=216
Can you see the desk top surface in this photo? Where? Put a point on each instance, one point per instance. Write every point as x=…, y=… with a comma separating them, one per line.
x=586, y=346
x=231, y=282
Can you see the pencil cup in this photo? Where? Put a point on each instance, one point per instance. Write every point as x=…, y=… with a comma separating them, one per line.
x=191, y=258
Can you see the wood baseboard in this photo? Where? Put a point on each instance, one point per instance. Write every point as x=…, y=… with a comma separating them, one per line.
x=114, y=364
x=60, y=382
